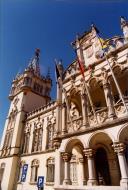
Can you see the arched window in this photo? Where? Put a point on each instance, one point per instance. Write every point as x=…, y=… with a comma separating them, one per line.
x=50, y=170
x=26, y=142
x=26, y=139
x=9, y=133
x=7, y=143
x=20, y=170
x=2, y=168
x=51, y=121
x=37, y=138
x=50, y=133
x=34, y=170
x=73, y=170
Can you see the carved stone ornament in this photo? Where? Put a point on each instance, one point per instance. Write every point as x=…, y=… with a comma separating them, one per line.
x=120, y=109
x=119, y=148
x=92, y=120
x=74, y=113
x=51, y=120
x=66, y=156
x=27, y=128
x=102, y=116
x=56, y=143
x=88, y=152
x=75, y=125
x=38, y=124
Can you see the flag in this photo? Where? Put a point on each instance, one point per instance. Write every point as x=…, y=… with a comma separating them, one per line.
x=81, y=65
x=58, y=76
x=104, y=43
x=57, y=73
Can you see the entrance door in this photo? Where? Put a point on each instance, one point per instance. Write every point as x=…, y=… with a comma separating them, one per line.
x=102, y=167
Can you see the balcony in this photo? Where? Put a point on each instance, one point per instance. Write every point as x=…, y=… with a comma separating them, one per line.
x=100, y=118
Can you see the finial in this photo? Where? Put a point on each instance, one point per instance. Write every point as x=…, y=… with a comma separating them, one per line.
x=34, y=62
x=37, y=52
x=93, y=27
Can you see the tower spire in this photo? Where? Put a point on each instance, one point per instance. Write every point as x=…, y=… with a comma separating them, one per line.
x=34, y=63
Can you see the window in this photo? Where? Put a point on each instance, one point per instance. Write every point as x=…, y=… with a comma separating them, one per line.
x=37, y=140
x=50, y=133
x=20, y=170
x=50, y=170
x=37, y=136
x=7, y=143
x=73, y=170
x=34, y=170
x=9, y=133
x=26, y=142
x=2, y=168
x=26, y=139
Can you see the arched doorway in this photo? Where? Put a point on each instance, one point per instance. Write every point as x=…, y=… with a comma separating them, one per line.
x=102, y=167
x=106, y=161
x=77, y=171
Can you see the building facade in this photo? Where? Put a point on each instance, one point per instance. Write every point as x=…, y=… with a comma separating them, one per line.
x=80, y=140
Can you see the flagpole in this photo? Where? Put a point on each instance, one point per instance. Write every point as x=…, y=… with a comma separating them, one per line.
x=116, y=83
x=114, y=78
x=67, y=104
x=85, y=84
x=90, y=100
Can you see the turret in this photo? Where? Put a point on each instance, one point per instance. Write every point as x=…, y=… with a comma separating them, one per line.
x=31, y=82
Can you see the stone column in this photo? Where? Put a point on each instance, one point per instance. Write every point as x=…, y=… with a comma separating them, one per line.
x=119, y=149
x=66, y=157
x=58, y=108
x=109, y=99
x=58, y=168
x=82, y=180
x=64, y=128
x=91, y=167
x=84, y=109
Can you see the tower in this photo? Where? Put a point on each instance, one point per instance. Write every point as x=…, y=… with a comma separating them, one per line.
x=29, y=90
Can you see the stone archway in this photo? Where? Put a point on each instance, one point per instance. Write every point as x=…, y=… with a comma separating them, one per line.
x=75, y=164
x=106, y=162
x=123, y=137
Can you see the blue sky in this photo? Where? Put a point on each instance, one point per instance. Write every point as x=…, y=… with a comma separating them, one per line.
x=50, y=25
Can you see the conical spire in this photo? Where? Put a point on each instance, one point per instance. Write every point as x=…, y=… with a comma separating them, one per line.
x=34, y=63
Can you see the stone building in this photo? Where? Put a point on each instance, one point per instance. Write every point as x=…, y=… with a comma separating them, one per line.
x=80, y=140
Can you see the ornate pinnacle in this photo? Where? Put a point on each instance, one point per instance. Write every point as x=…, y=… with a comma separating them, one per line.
x=37, y=52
